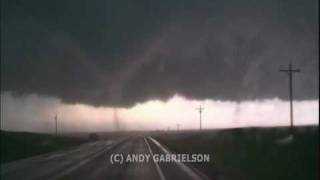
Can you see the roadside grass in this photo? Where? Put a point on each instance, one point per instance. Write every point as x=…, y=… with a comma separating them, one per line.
x=252, y=153
x=19, y=145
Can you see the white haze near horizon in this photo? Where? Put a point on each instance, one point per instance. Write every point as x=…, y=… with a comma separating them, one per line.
x=36, y=113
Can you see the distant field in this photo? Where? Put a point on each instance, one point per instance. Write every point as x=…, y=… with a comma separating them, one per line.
x=18, y=145
x=252, y=153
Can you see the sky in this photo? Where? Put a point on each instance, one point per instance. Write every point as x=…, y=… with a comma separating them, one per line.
x=156, y=62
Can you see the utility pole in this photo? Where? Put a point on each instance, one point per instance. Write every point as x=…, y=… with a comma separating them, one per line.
x=290, y=72
x=200, y=111
x=56, y=123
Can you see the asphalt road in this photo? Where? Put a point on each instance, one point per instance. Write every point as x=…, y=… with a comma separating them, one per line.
x=92, y=161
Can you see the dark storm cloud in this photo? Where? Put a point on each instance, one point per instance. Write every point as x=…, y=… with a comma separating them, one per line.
x=124, y=52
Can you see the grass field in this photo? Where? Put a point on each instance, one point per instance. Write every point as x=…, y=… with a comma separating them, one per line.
x=18, y=145
x=252, y=153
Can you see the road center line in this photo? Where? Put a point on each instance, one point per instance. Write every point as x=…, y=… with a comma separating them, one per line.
x=156, y=164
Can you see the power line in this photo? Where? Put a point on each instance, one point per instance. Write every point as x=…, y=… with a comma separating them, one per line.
x=290, y=72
